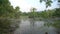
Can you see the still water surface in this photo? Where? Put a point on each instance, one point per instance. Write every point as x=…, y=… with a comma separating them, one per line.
x=31, y=26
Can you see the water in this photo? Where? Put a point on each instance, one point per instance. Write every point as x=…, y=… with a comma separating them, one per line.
x=31, y=26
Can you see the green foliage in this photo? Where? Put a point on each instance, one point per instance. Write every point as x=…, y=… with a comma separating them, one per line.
x=57, y=12
x=7, y=11
x=45, y=14
x=47, y=2
x=51, y=13
x=4, y=26
x=17, y=8
x=3, y=2
x=56, y=24
x=33, y=13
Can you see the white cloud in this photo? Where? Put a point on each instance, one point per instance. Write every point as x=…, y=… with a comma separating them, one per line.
x=25, y=5
x=22, y=4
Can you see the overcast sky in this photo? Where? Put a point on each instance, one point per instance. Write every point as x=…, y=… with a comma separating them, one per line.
x=26, y=5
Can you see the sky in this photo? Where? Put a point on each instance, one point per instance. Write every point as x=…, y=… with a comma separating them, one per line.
x=26, y=5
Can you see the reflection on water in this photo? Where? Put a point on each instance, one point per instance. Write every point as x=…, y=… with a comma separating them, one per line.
x=31, y=26
x=8, y=26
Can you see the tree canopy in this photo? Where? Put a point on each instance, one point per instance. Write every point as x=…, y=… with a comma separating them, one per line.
x=48, y=2
x=7, y=10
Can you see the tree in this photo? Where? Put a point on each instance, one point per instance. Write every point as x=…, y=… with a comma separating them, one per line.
x=17, y=8
x=33, y=12
x=48, y=2
x=17, y=12
x=57, y=12
x=7, y=11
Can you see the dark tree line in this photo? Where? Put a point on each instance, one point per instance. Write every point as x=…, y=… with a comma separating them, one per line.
x=7, y=10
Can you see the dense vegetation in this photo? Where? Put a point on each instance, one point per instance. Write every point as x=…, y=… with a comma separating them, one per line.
x=7, y=11
x=54, y=13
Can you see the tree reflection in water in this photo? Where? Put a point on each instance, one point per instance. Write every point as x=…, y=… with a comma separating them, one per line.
x=8, y=26
x=55, y=24
x=32, y=22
